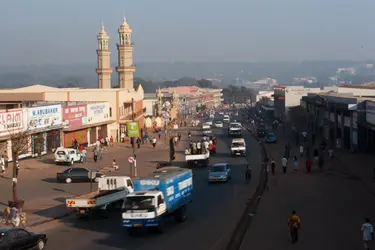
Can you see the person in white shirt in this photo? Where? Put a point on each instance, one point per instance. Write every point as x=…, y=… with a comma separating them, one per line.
x=301, y=150
x=284, y=163
x=154, y=143
x=199, y=147
x=187, y=151
x=330, y=153
x=367, y=233
x=205, y=143
x=210, y=142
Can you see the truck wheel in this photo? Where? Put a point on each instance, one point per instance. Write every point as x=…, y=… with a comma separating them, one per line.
x=68, y=180
x=180, y=214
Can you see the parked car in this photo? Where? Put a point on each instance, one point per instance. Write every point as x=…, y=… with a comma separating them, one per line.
x=270, y=138
x=220, y=172
x=67, y=155
x=76, y=174
x=219, y=124
x=19, y=238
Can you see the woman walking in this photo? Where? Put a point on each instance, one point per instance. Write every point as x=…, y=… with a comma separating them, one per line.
x=295, y=163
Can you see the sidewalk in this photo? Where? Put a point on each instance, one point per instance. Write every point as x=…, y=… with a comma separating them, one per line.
x=45, y=198
x=332, y=206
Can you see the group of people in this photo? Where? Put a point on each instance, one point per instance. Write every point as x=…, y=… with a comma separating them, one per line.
x=198, y=147
x=15, y=217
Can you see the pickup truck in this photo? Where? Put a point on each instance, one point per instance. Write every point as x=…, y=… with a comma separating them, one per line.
x=238, y=147
x=198, y=159
x=235, y=129
x=112, y=190
x=67, y=155
x=167, y=191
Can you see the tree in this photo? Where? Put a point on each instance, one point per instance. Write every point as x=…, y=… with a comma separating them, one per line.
x=203, y=83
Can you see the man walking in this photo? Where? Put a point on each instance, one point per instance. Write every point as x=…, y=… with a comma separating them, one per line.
x=284, y=163
x=294, y=223
x=367, y=231
x=273, y=166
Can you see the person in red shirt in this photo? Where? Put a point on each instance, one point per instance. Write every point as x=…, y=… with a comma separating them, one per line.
x=111, y=141
x=309, y=163
x=80, y=147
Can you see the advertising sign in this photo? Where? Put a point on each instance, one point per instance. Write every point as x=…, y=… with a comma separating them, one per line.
x=370, y=112
x=133, y=129
x=44, y=116
x=11, y=121
x=97, y=112
x=75, y=116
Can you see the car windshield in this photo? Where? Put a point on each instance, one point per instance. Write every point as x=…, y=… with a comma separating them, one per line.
x=235, y=126
x=139, y=202
x=237, y=144
x=218, y=122
x=60, y=153
x=218, y=169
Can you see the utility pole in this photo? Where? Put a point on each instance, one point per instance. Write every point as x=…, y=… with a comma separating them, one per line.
x=134, y=163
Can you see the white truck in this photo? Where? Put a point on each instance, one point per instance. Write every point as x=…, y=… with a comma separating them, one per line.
x=235, y=129
x=112, y=190
x=238, y=147
x=67, y=155
x=226, y=119
x=198, y=159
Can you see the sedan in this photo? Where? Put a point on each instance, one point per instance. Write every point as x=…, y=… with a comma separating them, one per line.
x=78, y=175
x=18, y=238
x=270, y=138
x=220, y=172
x=219, y=124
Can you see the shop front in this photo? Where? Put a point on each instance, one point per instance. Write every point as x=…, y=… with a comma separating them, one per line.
x=75, y=121
x=45, y=124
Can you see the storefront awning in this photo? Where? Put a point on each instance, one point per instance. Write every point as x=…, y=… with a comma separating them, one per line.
x=88, y=126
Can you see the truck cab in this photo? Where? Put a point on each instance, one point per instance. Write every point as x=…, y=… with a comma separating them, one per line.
x=238, y=147
x=167, y=191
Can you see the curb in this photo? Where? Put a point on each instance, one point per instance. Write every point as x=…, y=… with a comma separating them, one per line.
x=41, y=222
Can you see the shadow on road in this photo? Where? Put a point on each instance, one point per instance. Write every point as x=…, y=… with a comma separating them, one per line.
x=50, y=180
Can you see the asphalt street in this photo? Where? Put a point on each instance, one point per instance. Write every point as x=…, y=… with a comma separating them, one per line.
x=213, y=214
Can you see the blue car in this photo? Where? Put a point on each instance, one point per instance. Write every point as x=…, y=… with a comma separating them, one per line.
x=220, y=172
x=270, y=138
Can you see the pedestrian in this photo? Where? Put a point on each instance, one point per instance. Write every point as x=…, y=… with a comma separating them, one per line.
x=367, y=231
x=101, y=151
x=294, y=224
x=321, y=162
x=187, y=151
x=107, y=141
x=142, y=135
x=273, y=166
x=14, y=217
x=84, y=155
x=194, y=147
x=175, y=140
x=248, y=173
x=95, y=152
x=17, y=168
x=308, y=165
x=295, y=163
x=284, y=163
x=114, y=165
x=111, y=141
x=330, y=153
x=2, y=164
x=301, y=150
x=139, y=141
x=316, y=157
x=179, y=135
x=154, y=143
x=205, y=145
x=122, y=137
x=159, y=133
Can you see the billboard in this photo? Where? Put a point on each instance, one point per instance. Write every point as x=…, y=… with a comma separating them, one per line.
x=44, y=116
x=97, y=112
x=11, y=121
x=75, y=116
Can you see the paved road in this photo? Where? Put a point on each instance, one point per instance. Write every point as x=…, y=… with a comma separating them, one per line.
x=332, y=207
x=212, y=215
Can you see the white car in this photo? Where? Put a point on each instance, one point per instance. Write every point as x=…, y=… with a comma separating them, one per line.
x=67, y=155
x=209, y=122
x=219, y=124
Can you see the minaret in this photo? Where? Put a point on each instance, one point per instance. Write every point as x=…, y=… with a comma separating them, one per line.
x=103, y=70
x=125, y=66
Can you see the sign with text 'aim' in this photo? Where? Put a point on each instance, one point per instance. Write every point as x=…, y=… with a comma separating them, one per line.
x=132, y=129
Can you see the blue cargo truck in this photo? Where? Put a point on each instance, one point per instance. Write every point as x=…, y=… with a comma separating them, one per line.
x=165, y=192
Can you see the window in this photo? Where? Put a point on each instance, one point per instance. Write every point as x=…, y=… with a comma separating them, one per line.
x=160, y=200
x=80, y=170
x=129, y=183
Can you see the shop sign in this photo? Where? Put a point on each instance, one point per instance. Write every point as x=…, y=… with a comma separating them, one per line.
x=132, y=129
x=75, y=116
x=370, y=112
x=44, y=116
x=355, y=120
x=347, y=121
x=11, y=121
x=97, y=112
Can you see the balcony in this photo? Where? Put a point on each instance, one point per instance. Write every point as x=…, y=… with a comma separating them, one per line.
x=129, y=116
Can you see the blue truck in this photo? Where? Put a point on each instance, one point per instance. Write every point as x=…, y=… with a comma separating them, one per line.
x=167, y=191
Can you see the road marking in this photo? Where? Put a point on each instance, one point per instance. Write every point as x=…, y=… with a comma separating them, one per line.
x=217, y=243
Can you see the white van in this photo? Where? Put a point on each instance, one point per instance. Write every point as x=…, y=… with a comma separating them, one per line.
x=67, y=155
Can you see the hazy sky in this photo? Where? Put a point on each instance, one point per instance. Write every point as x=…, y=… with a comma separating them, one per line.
x=62, y=32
